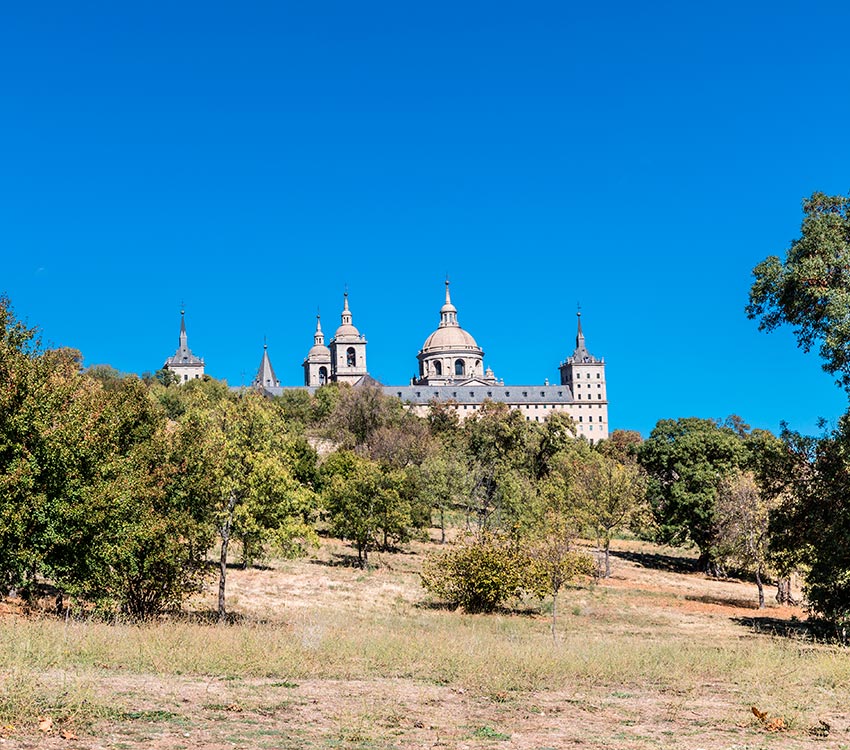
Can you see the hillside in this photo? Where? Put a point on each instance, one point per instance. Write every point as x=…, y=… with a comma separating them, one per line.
x=325, y=655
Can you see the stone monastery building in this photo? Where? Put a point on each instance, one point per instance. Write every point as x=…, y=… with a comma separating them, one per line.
x=451, y=370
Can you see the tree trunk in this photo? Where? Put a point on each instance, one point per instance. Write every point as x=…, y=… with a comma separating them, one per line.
x=554, y=613
x=708, y=565
x=442, y=526
x=607, y=558
x=760, y=585
x=783, y=591
x=224, y=530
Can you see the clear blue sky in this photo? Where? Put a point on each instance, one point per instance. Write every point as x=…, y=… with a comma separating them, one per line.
x=251, y=159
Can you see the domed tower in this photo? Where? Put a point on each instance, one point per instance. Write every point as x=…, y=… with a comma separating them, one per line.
x=348, y=350
x=317, y=366
x=450, y=354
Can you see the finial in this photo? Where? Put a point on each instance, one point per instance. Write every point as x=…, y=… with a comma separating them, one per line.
x=345, y=297
x=578, y=309
x=448, y=297
x=265, y=342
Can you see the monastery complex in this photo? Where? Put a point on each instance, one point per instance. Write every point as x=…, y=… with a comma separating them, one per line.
x=451, y=371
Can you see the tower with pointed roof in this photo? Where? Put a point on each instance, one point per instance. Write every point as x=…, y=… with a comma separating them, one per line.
x=450, y=355
x=185, y=365
x=265, y=377
x=584, y=374
x=348, y=350
x=317, y=365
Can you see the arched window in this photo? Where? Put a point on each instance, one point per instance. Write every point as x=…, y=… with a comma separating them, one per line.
x=458, y=367
x=438, y=368
x=323, y=375
x=350, y=357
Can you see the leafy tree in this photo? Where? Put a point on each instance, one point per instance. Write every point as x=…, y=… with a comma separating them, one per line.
x=555, y=560
x=367, y=504
x=686, y=460
x=810, y=289
x=607, y=495
x=237, y=468
x=444, y=482
x=743, y=518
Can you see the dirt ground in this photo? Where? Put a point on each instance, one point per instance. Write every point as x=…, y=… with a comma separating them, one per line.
x=214, y=713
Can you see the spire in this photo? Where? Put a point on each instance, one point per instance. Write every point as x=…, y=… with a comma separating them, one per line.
x=346, y=313
x=581, y=354
x=265, y=375
x=318, y=337
x=183, y=342
x=448, y=312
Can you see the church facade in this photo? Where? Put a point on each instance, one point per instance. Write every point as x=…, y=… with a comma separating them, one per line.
x=452, y=371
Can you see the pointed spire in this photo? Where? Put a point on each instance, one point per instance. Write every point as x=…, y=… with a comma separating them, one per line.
x=448, y=312
x=183, y=341
x=346, y=313
x=265, y=375
x=581, y=354
x=318, y=336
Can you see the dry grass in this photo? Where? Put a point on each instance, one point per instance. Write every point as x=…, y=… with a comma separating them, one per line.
x=329, y=656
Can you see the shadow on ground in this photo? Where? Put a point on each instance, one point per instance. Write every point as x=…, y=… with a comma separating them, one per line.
x=659, y=562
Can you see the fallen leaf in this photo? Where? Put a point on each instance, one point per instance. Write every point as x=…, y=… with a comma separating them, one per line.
x=46, y=724
x=67, y=734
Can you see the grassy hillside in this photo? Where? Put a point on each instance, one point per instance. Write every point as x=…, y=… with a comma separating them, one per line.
x=324, y=655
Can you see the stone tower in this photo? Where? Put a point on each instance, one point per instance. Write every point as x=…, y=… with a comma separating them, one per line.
x=185, y=365
x=348, y=350
x=317, y=365
x=584, y=375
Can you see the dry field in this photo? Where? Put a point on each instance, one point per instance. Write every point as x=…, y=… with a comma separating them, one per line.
x=325, y=655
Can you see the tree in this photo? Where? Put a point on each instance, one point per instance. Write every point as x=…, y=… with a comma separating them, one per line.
x=555, y=559
x=810, y=289
x=686, y=460
x=237, y=466
x=607, y=494
x=743, y=517
x=367, y=504
x=444, y=482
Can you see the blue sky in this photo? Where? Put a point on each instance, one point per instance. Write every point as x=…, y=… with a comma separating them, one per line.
x=252, y=159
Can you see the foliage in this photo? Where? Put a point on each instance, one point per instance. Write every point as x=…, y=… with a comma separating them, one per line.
x=480, y=574
x=810, y=526
x=810, y=289
x=686, y=460
x=367, y=503
x=607, y=495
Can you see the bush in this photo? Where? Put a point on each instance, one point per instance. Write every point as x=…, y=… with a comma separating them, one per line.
x=480, y=574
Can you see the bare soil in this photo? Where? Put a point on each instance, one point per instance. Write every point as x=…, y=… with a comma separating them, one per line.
x=214, y=712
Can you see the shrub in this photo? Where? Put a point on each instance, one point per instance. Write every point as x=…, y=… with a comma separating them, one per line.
x=479, y=574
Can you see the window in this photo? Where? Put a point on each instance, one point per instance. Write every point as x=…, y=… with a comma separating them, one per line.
x=472, y=393
x=489, y=394
x=399, y=394
x=578, y=375
x=323, y=375
x=507, y=393
x=597, y=374
x=580, y=418
x=599, y=396
x=438, y=368
x=459, y=369
x=350, y=357
x=525, y=393
x=590, y=428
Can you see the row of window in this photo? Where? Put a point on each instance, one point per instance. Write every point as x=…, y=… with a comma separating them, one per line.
x=578, y=375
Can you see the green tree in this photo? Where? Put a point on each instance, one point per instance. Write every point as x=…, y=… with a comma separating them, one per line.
x=607, y=496
x=366, y=504
x=810, y=289
x=238, y=468
x=686, y=460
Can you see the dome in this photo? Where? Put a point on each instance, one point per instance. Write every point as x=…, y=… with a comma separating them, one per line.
x=449, y=337
x=347, y=330
x=319, y=351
